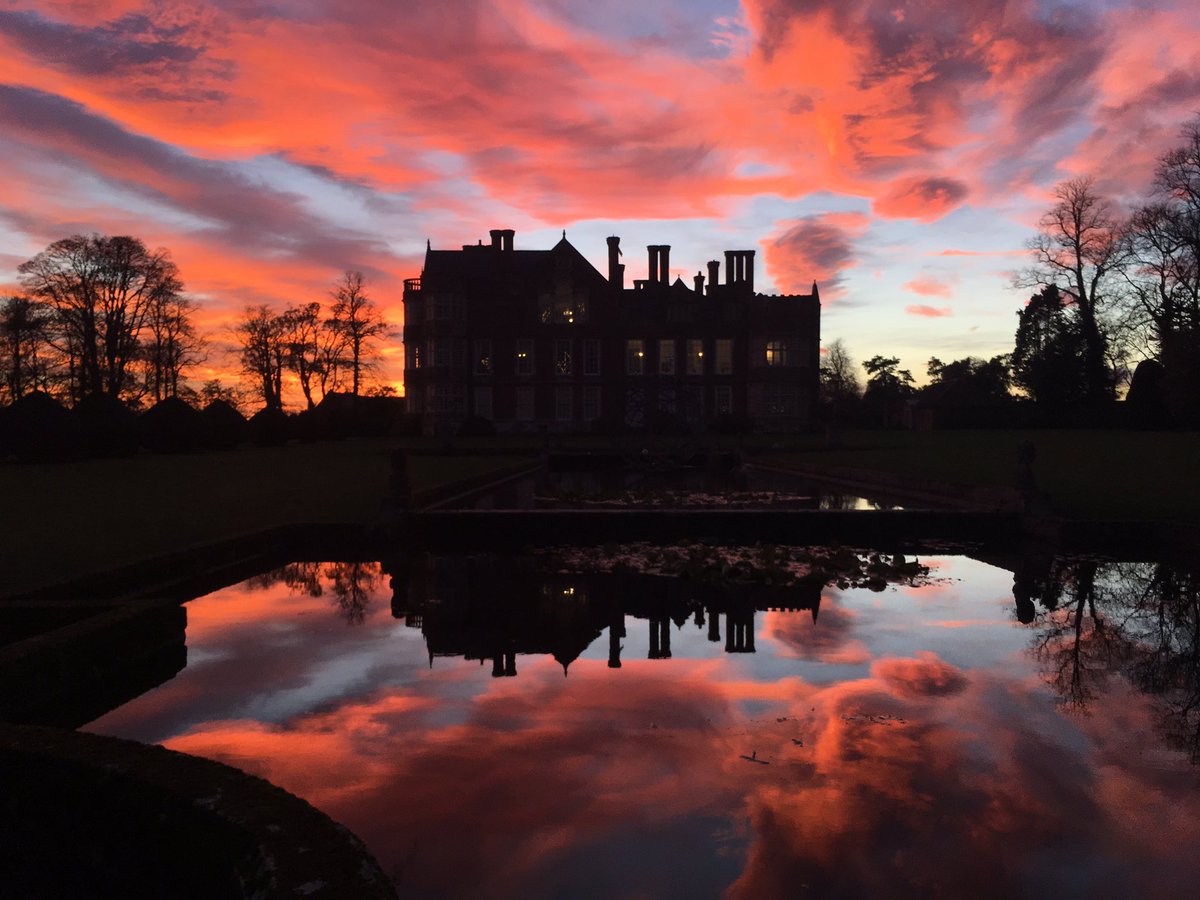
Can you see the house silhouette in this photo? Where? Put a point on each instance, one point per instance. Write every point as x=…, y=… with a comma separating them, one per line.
x=539, y=339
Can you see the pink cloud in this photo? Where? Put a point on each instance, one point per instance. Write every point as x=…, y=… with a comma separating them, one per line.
x=816, y=248
x=928, y=287
x=929, y=312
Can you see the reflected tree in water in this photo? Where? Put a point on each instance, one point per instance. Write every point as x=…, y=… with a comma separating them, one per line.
x=352, y=586
x=301, y=578
x=1138, y=620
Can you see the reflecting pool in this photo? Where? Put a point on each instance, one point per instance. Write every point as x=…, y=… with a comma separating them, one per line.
x=527, y=728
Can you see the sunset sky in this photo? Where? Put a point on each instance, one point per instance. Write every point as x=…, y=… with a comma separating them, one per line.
x=899, y=153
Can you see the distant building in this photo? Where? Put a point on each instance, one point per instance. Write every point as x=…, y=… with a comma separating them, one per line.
x=538, y=338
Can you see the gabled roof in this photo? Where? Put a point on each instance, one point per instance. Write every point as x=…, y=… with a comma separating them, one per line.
x=484, y=264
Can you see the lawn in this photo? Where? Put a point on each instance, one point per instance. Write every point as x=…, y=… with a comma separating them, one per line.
x=1116, y=475
x=65, y=520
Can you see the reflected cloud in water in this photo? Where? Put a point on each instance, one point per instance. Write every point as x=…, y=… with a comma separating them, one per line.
x=850, y=745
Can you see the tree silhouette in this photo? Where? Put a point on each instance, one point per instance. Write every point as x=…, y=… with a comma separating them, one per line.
x=1079, y=249
x=172, y=344
x=840, y=388
x=102, y=290
x=888, y=388
x=355, y=319
x=1049, y=361
x=24, y=333
x=263, y=352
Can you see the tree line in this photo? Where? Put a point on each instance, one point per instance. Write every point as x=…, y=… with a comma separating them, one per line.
x=103, y=316
x=1110, y=289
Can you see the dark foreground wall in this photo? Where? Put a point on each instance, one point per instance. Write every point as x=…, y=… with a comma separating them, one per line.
x=89, y=816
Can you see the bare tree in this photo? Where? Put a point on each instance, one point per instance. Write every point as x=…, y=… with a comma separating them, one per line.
x=840, y=387
x=359, y=324
x=24, y=335
x=102, y=289
x=171, y=345
x=301, y=333
x=1079, y=249
x=263, y=352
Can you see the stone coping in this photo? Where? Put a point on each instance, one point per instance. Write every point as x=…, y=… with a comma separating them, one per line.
x=97, y=816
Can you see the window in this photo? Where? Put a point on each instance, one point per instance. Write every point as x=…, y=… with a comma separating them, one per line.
x=777, y=353
x=564, y=403
x=524, y=404
x=695, y=357
x=416, y=356
x=666, y=357
x=563, y=307
x=483, y=357
x=635, y=357
x=524, y=357
x=723, y=399
x=591, y=357
x=666, y=400
x=445, y=398
x=441, y=351
x=770, y=401
x=724, y=357
x=483, y=402
x=562, y=357
x=444, y=307
x=591, y=403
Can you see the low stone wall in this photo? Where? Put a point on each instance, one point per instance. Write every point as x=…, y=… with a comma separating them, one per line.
x=92, y=816
x=937, y=494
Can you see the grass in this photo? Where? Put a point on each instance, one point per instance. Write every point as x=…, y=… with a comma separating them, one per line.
x=1115, y=475
x=67, y=520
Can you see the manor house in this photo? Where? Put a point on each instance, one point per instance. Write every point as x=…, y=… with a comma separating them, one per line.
x=532, y=339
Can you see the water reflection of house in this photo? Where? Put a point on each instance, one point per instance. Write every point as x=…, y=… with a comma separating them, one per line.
x=466, y=608
x=539, y=338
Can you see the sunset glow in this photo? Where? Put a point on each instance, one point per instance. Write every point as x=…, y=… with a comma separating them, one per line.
x=897, y=153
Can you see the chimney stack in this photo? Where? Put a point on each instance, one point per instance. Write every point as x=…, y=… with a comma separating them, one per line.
x=698, y=283
x=748, y=274
x=730, y=267
x=664, y=263
x=616, y=271
x=495, y=233
x=714, y=272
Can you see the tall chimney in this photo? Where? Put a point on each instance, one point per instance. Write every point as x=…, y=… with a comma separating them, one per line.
x=652, y=263
x=616, y=271
x=698, y=283
x=506, y=239
x=495, y=233
x=714, y=271
x=664, y=263
x=750, y=269
x=730, y=271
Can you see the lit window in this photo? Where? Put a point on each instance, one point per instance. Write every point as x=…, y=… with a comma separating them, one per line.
x=695, y=357
x=525, y=357
x=724, y=357
x=635, y=357
x=562, y=357
x=666, y=357
x=777, y=353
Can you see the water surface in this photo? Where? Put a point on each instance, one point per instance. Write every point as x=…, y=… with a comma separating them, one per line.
x=488, y=730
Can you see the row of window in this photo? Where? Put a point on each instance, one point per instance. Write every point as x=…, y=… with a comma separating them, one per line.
x=451, y=399
x=449, y=352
